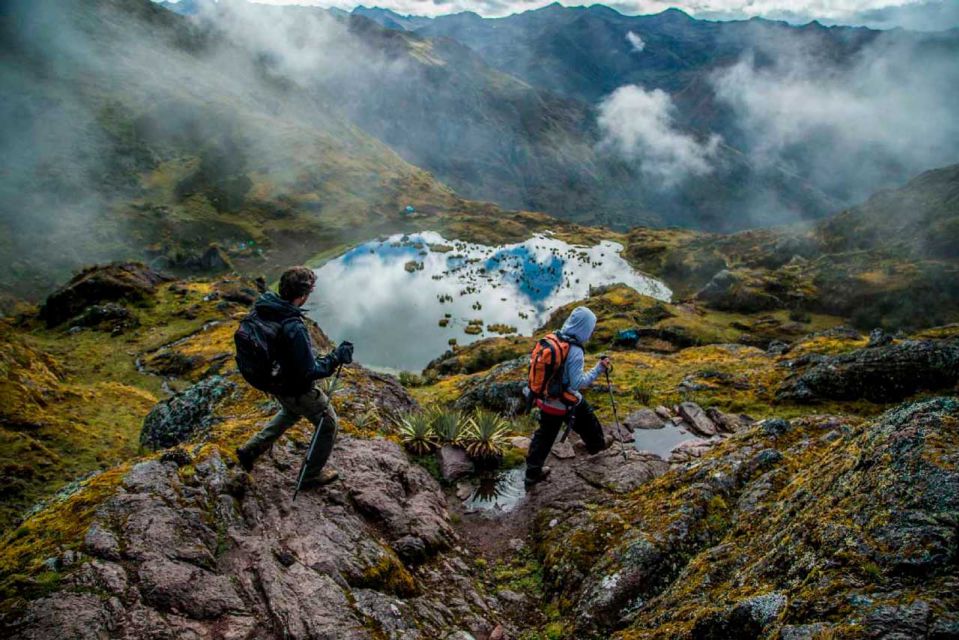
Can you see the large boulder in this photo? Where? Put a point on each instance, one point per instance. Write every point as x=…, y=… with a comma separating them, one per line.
x=131, y=281
x=454, y=463
x=111, y=316
x=186, y=415
x=499, y=390
x=881, y=374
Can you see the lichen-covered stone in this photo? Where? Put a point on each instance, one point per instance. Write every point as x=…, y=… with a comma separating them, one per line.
x=880, y=374
x=331, y=565
x=186, y=415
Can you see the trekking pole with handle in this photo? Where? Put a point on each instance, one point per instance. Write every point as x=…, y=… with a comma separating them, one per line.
x=619, y=429
x=316, y=436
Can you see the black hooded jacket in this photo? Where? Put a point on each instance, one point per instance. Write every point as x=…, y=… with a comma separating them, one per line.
x=299, y=367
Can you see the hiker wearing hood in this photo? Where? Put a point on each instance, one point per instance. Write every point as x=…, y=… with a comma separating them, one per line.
x=293, y=385
x=576, y=331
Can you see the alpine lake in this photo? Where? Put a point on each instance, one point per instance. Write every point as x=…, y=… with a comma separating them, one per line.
x=405, y=299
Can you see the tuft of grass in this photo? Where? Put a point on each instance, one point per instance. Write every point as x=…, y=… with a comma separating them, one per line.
x=643, y=392
x=448, y=425
x=485, y=434
x=416, y=433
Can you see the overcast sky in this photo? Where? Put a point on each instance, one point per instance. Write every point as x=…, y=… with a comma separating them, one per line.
x=912, y=14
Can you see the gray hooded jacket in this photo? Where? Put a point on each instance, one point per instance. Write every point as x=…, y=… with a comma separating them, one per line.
x=579, y=325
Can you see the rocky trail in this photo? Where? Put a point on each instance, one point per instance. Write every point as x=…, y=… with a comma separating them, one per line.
x=573, y=481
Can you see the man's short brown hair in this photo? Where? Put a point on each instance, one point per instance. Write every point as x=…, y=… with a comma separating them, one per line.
x=296, y=282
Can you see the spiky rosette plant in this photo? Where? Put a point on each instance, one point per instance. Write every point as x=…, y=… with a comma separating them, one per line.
x=416, y=433
x=448, y=425
x=486, y=434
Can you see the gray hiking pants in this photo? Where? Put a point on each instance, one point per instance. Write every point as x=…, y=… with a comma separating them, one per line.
x=312, y=405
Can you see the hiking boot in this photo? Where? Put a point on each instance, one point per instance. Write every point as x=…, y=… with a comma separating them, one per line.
x=533, y=479
x=245, y=458
x=325, y=477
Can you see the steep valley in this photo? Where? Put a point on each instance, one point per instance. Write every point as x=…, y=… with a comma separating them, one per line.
x=781, y=418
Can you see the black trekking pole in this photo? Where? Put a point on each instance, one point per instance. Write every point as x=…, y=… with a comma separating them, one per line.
x=316, y=436
x=619, y=429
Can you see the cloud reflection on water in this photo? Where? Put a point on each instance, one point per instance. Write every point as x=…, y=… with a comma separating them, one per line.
x=367, y=295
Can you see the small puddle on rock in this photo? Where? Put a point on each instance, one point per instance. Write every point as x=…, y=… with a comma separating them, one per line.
x=661, y=441
x=497, y=492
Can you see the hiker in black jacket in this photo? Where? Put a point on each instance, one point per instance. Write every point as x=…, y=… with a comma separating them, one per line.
x=299, y=369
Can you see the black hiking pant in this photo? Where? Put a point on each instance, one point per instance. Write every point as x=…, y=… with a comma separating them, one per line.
x=585, y=423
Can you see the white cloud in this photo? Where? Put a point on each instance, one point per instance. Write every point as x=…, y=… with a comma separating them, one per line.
x=889, y=113
x=637, y=42
x=638, y=124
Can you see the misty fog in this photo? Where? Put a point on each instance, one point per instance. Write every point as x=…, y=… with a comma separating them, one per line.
x=123, y=124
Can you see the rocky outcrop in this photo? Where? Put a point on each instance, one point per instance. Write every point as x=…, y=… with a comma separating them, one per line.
x=186, y=415
x=725, y=545
x=211, y=259
x=204, y=551
x=373, y=393
x=111, y=316
x=879, y=373
x=131, y=281
x=737, y=291
x=491, y=391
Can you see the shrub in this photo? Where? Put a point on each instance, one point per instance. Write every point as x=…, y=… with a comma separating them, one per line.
x=486, y=434
x=416, y=433
x=447, y=425
x=409, y=379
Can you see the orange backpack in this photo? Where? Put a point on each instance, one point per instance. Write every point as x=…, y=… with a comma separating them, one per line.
x=546, y=364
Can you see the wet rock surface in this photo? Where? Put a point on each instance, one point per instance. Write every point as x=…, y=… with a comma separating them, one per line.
x=215, y=554
x=883, y=373
x=454, y=463
x=697, y=420
x=643, y=419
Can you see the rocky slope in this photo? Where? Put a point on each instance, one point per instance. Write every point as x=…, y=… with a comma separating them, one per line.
x=890, y=261
x=178, y=541
x=819, y=527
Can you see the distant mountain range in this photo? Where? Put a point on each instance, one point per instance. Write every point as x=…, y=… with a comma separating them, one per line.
x=281, y=124
x=510, y=110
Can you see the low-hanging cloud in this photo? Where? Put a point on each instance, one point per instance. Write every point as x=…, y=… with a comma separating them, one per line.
x=635, y=41
x=639, y=125
x=885, y=115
